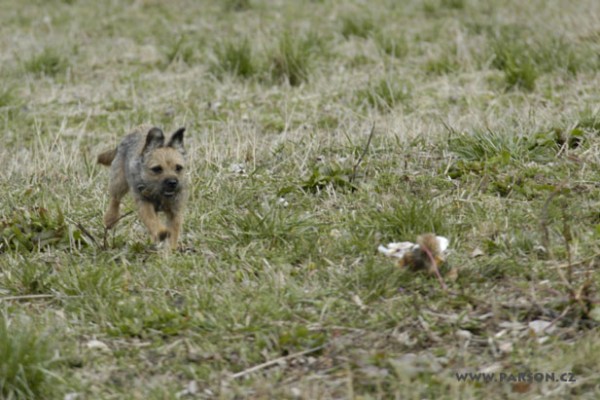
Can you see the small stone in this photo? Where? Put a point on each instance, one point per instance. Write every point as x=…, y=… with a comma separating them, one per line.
x=463, y=334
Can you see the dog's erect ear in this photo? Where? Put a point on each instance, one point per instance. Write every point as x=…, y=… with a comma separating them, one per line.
x=176, y=140
x=154, y=139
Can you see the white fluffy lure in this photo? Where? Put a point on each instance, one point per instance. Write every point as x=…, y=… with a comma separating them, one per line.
x=400, y=249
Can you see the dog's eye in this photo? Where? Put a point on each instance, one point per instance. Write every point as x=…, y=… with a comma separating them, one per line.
x=157, y=169
x=179, y=168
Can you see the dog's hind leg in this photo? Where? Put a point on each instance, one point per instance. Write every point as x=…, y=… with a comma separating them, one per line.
x=117, y=189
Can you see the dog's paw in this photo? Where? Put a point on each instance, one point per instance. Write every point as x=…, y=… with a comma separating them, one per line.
x=110, y=220
x=163, y=235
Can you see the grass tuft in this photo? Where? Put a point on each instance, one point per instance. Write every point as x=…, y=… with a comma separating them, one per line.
x=236, y=5
x=406, y=219
x=521, y=73
x=454, y=4
x=277, y=227
x=331, y=176
x=385, y=94
x=26, y=355
x=7, y=96
x=37, y=228
x=488, y=145
x=50, y=62
x=180, y=50
x=292, y=59
x=394, y=46
x=514, y=57
x=236, y=58
x=589, y=121
x=444, y=64
x=523, y=56
x=361, y=26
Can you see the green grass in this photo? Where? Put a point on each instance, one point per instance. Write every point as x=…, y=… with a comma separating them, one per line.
x=235, y=58
x=485, y=130
x=7, y=96
x=524, y=55
x=393, y=45
x=358, y=25
x=455, y=4
x=386, y=94
x=26, y=359
x=292, y=59
x=50, y=62
x=237, y=5
x=180, y=50
x=514, y=57
x=486, y=145
x=442, y=65
x=589, y=121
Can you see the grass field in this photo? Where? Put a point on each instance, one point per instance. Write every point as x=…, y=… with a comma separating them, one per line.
x=485, y=121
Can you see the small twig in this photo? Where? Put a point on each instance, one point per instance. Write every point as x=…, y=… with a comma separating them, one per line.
x=568, y=237
x=87, y=233
x=575, y=296
x=564, y=279
x=581, y=295
x=576, y=263
x=586, y=286
x=544, y=217
x=275, y=361
x=451, y=130
x=555, y=320
x=562, y=149
x=105, y=244
x=123, y=216
x=355, y=168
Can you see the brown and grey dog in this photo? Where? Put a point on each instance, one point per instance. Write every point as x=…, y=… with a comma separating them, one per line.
x=153, y=169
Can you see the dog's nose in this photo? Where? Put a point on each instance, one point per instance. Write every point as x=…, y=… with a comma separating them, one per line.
x=171, y=183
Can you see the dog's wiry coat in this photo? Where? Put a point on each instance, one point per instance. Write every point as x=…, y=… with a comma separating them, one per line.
x=154, y=172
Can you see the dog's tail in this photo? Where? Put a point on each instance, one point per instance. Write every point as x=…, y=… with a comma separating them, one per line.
x=107, y=157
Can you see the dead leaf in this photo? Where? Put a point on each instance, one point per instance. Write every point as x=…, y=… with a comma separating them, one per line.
x=495, y=367
x=190, y=390
x=539, y=327
x=97, y=345
x=506, y=347
x=510, y=325
x=521, y=387
x=477, y=253
x=358, y=302
x=452, y=275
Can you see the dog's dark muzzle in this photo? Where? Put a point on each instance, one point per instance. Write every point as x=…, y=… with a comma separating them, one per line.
x=170, y=187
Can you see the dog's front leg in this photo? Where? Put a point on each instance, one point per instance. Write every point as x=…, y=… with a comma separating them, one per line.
x=150, y=218
x=174, y=221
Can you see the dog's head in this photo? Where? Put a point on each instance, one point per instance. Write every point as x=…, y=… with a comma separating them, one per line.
x=163, y=164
